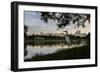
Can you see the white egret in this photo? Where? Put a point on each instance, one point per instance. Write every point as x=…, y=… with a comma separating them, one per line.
x=67, y=39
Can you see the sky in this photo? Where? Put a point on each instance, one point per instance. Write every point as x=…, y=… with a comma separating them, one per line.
x=35, y=24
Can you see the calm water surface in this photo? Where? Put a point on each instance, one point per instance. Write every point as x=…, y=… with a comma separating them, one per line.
x=41, y=49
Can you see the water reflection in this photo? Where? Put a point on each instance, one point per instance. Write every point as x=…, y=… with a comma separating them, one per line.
x=33, y=49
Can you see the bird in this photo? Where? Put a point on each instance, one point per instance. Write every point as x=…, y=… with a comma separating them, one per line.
x=67, y=39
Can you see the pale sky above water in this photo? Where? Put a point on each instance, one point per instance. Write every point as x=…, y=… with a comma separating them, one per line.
x=35, y=24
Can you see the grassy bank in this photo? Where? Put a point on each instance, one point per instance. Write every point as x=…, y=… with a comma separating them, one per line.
x=73, y=53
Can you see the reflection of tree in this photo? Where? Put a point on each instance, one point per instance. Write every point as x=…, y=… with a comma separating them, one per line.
x=25, y=51
x=64, y=19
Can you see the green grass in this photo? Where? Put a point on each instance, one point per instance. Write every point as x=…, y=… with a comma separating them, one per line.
x=65, y=54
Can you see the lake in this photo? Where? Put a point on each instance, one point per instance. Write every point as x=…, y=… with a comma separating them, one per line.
x=31, y=50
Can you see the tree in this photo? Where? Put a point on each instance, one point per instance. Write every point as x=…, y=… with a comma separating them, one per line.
x=64, y=19
x=25, y=30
